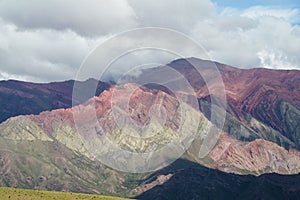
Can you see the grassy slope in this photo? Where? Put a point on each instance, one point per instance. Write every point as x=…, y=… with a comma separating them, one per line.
x=13, y=193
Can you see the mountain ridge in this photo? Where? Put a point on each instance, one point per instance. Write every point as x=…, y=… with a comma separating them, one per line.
x=248, y=144
x=20, y=98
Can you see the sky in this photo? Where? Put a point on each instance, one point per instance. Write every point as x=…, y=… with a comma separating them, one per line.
x=248, y=3
x=43, y=41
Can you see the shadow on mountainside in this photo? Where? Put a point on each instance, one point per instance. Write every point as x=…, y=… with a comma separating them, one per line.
x=193, y=181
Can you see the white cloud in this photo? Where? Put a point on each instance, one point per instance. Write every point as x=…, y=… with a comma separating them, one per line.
x=246, y=40
x=291, y=15
x=91, y=18
x=48, y=40
x=274, y=59
x=176, y=14
x=41, y=55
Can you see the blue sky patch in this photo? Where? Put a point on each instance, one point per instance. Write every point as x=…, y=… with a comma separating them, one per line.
x=243, y=4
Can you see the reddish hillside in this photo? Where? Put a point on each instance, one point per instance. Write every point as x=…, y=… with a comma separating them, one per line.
x=229, y=154
x=270, y=96
x=19, y=98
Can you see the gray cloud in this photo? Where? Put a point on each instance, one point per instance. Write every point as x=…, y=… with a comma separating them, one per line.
x=48, y=40
x=176, y=14
x=242, y=39
x=87, y=18
x=43, y=55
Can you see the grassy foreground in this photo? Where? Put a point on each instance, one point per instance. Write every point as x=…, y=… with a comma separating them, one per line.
x=22, y=194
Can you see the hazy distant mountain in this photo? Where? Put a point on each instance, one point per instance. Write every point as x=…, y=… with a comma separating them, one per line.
x=20, y=98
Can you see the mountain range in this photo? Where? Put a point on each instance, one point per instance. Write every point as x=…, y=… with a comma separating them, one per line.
x=255, y=151
x=21, y=98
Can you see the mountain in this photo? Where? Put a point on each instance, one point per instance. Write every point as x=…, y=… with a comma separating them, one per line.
x=256, y=157
x=21, y=98
x=60, y=149
x=46, y=152
x=60, y=126
x=266, y=101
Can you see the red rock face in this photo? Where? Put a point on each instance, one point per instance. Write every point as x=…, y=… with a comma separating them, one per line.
x=246, y=89
x=258, y=92
x=140, y=104
x=229, y=155
x=259, y=156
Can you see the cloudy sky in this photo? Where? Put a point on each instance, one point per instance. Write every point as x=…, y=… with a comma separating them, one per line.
x=48, y=40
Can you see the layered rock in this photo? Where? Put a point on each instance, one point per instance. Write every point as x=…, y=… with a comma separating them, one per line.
x=50, y=151
x=266, y=95
x=256, y=157
x=158, y=116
